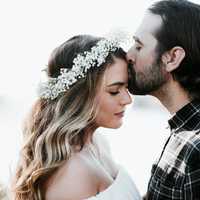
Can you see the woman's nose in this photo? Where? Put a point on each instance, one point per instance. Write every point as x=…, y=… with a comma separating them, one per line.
x=126, y=98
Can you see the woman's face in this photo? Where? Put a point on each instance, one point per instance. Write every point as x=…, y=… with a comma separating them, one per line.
x=113, y=96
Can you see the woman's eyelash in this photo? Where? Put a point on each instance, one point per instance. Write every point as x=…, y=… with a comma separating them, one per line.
x=114, y=93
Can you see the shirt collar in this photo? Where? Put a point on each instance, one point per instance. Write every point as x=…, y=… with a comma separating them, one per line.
x=187, y=118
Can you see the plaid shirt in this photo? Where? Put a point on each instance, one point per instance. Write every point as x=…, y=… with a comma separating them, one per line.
x=176, y=175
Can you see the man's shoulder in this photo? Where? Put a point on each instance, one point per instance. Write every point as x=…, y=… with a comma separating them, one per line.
x=192, y=139
x=192, y=147
x=181, y=151
x=184, y=143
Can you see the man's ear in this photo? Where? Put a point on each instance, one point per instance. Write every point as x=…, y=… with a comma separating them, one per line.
x=173, y=58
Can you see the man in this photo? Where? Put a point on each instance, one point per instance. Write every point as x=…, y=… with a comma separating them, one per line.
x=165, y=63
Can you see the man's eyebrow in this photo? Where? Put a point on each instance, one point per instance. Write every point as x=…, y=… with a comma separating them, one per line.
x=116, y=84
x=137, y=40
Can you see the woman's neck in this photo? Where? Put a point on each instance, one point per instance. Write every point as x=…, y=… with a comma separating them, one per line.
x=89, y=132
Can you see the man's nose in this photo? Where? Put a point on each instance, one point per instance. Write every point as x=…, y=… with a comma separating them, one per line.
x=130, y=56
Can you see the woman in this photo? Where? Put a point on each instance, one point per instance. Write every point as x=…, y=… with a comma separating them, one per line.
x=63, y=158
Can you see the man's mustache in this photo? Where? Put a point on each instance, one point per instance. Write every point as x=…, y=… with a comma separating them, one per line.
x=131, y=71
x=131, y=77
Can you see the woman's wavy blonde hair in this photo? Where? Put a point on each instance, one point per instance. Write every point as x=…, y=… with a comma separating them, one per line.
x=55, y=127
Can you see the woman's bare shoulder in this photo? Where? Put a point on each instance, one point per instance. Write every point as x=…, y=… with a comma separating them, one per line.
x=76, y=179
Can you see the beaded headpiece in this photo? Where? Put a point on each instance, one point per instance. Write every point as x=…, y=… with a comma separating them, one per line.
x=81, y=64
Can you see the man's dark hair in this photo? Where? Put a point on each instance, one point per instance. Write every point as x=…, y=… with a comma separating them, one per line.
x=181, y=27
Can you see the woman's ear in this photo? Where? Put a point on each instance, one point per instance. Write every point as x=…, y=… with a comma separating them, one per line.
x=173, y=58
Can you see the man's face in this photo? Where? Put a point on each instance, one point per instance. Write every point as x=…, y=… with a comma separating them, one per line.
x=147, y=71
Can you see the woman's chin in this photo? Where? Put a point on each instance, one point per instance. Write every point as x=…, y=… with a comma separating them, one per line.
x=114, y=126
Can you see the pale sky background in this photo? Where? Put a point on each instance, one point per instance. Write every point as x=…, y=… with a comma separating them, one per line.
x=30, y=30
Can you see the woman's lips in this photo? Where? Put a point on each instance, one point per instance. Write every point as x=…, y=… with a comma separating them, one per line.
x=120, y=114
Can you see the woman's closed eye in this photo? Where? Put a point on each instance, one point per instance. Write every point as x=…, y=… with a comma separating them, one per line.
x=114, y=93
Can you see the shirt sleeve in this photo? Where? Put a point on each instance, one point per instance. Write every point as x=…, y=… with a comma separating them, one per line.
x=192, y=179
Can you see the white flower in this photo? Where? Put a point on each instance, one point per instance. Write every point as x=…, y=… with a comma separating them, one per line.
x=81, y=64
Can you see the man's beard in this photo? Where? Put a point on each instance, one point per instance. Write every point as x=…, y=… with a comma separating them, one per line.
x=148, y=81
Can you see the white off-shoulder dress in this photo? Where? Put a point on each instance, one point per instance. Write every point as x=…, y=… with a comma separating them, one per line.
x=123, y=188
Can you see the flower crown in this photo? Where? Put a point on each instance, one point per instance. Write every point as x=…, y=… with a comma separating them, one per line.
x=81, y=64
